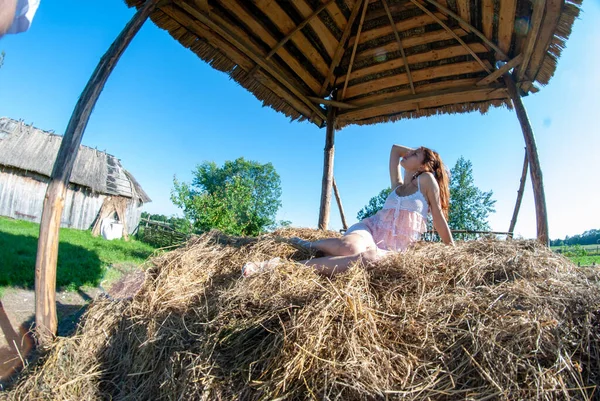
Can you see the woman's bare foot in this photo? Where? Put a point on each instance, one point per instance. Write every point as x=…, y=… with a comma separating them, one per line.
x=252, y=268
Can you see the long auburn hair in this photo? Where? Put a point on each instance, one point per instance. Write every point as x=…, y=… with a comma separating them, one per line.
x=433, y=163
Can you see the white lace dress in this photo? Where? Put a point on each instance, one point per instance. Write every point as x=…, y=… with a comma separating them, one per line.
x=400, y=223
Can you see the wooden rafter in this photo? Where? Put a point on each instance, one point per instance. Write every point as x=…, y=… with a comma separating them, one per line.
x=455, y=36
x=536, y=22
x=257, y=58
x=295, y=30
x=466, y=82
x=468, y=98
x=465, y=24
x=386, y=30
x=436, y=54
x=487, y=17
x=236, y=56
x=552, y=17
x=501, y=71
x=506, y=25
x=426, y=74
x=335, y=103
x=236, y=9
x=393, y=24
x=339, y=52
x=421, y=96
x=360, y=25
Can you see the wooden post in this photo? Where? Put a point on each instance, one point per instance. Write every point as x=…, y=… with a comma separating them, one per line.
x=339, y=202
x=327, y=183
x=513, y=221
x=541, y=213
x=47, y=251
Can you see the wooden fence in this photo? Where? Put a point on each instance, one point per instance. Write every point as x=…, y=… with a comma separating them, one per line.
x=159, y=234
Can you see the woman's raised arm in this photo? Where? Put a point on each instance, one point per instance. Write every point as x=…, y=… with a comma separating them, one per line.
x=395, y=174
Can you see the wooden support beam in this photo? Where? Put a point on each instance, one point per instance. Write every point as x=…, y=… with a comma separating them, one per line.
x=360, y=25
x=54, y=201
x=501, y=54
x=257, y=58
x=541, y=213
x=339, y=203
x=451, y=32
x=339, y=52
x=513, y=220
x=393, y=24
x=501, y=71
x=335, y=103
x=327, y=182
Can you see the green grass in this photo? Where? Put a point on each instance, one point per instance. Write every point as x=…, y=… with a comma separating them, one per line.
x=589, y=248
x=586, y=260
x=83, y=260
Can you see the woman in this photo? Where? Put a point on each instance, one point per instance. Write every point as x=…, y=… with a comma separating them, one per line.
x=394, y=228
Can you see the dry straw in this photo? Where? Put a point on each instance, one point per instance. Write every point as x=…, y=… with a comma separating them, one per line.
x=485, y=320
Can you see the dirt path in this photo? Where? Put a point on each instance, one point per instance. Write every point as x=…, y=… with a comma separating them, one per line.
x=17, y=314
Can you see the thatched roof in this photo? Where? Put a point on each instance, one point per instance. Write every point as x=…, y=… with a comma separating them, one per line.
x=294, y=54
x=28, y=148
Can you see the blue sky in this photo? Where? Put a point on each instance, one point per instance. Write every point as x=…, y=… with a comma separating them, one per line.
x=163, y=111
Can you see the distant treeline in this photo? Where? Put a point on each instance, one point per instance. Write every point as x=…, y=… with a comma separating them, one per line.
x=590, y=237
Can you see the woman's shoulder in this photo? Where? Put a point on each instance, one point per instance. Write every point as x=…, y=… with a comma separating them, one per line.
x=427, y=177
x=428, y=180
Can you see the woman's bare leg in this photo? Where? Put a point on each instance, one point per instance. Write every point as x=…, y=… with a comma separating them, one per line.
x=351, y=244
x=330, y=265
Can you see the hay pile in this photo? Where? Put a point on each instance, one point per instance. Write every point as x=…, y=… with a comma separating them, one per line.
x=485, y=320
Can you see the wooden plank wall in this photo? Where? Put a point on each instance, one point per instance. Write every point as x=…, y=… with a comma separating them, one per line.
x=22, y=197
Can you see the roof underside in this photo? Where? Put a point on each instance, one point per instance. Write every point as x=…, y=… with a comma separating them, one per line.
x=382, y=60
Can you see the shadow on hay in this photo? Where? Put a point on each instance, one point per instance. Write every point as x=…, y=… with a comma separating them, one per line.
x=188, y=345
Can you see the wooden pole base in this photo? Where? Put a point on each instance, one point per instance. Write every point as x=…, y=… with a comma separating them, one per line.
x=327, y=183
x=541, y=212
x=47, y=250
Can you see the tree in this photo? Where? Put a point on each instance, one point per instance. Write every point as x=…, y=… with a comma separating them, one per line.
x=375, y=204
x=469, y=206
x=240, y=198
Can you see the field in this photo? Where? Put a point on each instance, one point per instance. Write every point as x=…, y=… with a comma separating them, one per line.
x=595, y=248
x=83, y=260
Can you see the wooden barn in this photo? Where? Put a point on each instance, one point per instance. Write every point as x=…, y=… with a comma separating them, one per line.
x=98, y=182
